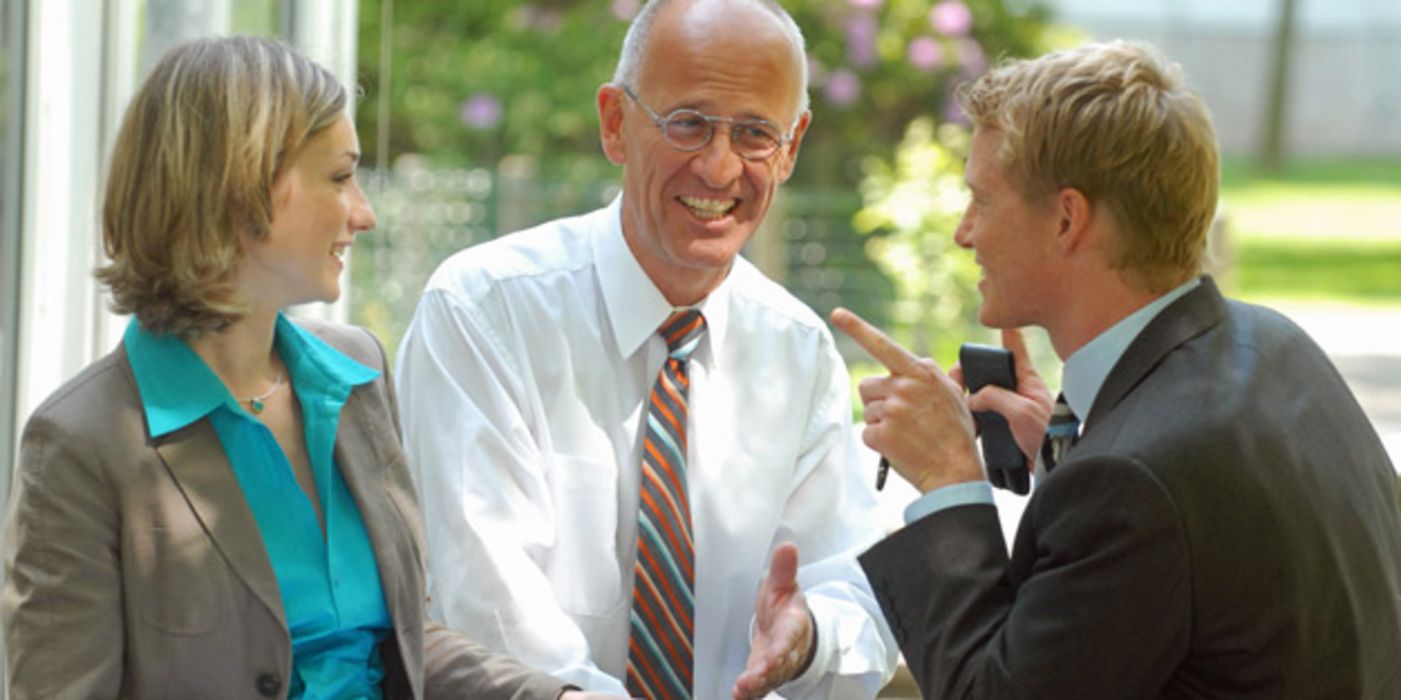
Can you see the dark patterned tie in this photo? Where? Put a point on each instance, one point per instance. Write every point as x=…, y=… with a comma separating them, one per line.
x=663, y=620
x=1061, y=433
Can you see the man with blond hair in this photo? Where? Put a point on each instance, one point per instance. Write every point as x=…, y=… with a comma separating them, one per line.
x=1219, y=521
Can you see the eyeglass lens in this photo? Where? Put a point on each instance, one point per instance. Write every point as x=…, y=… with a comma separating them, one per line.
x=690, y=130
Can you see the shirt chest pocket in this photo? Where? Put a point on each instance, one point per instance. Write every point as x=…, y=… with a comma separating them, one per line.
x=583, y=564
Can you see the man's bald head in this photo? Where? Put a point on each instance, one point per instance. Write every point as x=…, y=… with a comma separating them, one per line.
x=701, y=15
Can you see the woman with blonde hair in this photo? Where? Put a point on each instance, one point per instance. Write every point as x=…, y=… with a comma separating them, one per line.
x=219, y=508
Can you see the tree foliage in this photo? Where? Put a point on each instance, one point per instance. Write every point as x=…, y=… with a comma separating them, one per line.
x=916, y=201
x=472, y=82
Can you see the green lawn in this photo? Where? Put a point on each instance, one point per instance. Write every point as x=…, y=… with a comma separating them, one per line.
x=1321, y=231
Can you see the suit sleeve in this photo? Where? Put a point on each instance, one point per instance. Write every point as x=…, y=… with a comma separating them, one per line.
x=1094, y=604
x=456, y=667
x=491, y=519
x=62, y=601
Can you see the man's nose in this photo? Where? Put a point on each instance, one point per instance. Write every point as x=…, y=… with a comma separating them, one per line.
x=717, y=164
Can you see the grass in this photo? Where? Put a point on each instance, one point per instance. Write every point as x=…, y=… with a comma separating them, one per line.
x=1364, y=272
x=1322, y=231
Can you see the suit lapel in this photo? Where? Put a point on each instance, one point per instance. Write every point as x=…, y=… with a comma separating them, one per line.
x=1195, y=313
x=201, y=470
x=361, y=460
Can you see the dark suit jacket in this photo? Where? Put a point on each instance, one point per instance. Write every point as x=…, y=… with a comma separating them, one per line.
x=136, y=569
x=1226, y=527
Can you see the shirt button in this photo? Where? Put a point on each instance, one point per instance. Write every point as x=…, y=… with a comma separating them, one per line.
x=269, y=685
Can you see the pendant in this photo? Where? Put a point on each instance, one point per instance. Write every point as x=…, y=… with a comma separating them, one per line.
x=256, y=405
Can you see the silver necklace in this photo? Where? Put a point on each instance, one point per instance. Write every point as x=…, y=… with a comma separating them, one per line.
x=256, y=403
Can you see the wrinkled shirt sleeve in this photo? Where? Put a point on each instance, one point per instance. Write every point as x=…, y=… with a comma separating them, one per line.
x=487, y=506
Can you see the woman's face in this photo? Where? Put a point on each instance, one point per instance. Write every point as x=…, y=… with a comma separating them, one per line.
x=317, y=208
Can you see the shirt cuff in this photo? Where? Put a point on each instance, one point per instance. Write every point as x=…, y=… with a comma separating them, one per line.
x=966, y=493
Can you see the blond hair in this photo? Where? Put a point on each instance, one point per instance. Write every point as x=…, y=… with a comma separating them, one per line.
x=1115, y=121
x=192, y=172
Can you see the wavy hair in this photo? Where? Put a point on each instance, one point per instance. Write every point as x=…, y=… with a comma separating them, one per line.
x=192, y=172
x=1115, y=121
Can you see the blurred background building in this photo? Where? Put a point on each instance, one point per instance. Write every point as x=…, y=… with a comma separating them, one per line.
x=1343, y=90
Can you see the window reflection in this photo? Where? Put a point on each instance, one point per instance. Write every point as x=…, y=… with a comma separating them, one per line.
x=166, y=23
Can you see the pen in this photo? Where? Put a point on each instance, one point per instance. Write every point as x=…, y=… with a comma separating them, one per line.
x=881, y=472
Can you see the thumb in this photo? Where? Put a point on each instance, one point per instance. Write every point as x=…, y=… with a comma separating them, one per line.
x=956, y=374
x=783, y=567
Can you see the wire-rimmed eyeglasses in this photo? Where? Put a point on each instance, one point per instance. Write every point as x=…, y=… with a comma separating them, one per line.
x=689, y=130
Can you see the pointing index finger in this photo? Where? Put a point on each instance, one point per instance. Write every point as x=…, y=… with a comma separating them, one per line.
x=877, y=344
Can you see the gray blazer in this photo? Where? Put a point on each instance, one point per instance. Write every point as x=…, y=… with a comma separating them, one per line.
x=1227, y=527
x=136, y=570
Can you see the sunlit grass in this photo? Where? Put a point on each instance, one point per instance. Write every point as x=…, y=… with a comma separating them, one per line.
x=1322, y=231
x=1318, y=269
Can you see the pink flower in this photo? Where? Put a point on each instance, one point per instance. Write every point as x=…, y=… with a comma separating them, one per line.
x=867, y=4
x=860, y=31
x=842, y=88
x=971, y=58
x=925, y=53
x=481, y=112
x=951, y=18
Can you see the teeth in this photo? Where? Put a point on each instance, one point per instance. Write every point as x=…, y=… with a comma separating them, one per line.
x=708, y=208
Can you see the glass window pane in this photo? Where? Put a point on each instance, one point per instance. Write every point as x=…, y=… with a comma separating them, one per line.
x=261, y=17
x=11, y=24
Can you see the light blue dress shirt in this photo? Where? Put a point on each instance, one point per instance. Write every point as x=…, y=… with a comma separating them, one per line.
x=1081, y=380
x=330, y=586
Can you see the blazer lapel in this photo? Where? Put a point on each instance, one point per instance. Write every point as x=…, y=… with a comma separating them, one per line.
x=197, y=462
x=360, y=456
x=1188, y=317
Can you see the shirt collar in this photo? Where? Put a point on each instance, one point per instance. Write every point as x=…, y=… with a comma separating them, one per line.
x=634, y=306
x=314, y=365
x=1087, y=368
x=177, y=388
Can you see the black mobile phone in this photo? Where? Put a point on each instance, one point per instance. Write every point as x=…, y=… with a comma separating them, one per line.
x=983, y=365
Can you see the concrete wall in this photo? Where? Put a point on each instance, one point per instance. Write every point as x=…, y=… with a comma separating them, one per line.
x=1345, y=87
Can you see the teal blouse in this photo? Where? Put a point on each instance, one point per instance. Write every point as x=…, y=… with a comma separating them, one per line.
x=330, y=586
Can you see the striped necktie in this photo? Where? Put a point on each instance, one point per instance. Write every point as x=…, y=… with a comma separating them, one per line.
x=663, y=619
x=1061, y=433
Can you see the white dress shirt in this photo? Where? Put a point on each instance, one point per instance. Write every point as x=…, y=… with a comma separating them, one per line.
x=523, y=380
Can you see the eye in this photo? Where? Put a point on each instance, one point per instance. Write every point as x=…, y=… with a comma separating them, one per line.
x=686, y=122
x=757, y=132
x=344, y=177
